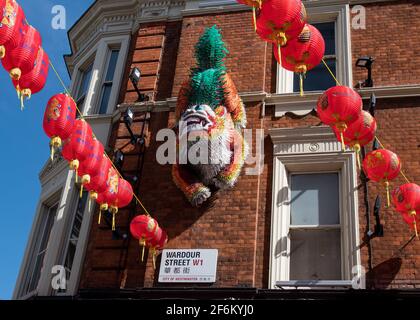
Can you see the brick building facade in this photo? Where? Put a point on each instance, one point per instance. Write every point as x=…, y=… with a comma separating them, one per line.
x=244, y=223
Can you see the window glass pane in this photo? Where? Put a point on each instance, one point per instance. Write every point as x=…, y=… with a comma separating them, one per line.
x=84, y=82
x=319, y=78
x=106, y=93
x=112, y=65
x=314, y=199
x=75, y=231
x=42, y=243
x=315, y=255
x=328, y=33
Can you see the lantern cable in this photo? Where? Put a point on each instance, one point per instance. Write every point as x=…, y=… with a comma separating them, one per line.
x=380, y=143
x=106, y=155
x=332, y=73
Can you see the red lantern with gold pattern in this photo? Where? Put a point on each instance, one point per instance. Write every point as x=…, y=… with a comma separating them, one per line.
x=359, y=133
x=158, y=243
x=76, y=147
x=281, y=20
x=123, y=199
x=33, y=81
x=21, y=59
x=90, y=166
x=302, y=53
x=109, y=196
x=59, y=119
x=339, y=107
x=406, y=199
x=143, y=228
x=382, y=166
x=97, y=184
x=12, y=22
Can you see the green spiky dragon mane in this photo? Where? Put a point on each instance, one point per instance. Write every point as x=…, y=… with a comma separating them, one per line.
x=207, y=77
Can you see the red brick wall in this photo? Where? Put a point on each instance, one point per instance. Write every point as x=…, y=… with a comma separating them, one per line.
x=391, y=37
x=238, y=221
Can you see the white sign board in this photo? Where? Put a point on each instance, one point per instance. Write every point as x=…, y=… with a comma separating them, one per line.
x=195, y=265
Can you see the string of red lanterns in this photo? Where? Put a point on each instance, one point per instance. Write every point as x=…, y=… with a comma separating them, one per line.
x=300, y=48
x=21, y=53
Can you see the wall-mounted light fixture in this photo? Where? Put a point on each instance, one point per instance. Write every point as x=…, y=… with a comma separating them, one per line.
x=128, y=119
x=366, y=62
x=135, y=76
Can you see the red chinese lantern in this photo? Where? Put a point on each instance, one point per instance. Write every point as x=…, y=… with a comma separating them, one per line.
x=359, y=133
x=302, y=53
x=21, y=59
x=339, y=107
x=382, y=166
x=59, y=119
x=90, y=166
x=76, y=147
x=34, y=81
x=280, y=21
x=97, y=184
x=123, y=199
x=11, y=21
x=158, y=243
x=144, y=229
x=109, y=196
x=406, y=199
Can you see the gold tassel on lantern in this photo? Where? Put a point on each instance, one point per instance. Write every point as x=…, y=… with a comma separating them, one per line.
x=142, y=244
x=114, y=211
x=54, y=144
x=388, y=201
x=154, y=258
x=74, y=165
x=103, y=207
x=412, y=213
x=356, y=148
x=341, y=127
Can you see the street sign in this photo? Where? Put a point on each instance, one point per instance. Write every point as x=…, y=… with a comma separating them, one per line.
x=188, y=265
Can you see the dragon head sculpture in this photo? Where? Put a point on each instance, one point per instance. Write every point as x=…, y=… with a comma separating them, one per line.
x=210, y=116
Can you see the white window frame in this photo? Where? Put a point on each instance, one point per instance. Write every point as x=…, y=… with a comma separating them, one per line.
x=340, y=14
x=80, y=74
x=100, y=57
x=34, y=252
x=109, y=49
x=315, y=150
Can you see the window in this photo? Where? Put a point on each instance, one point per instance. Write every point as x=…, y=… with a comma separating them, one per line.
x=41, y=244
x=108, y=80
x=71, y=245
x=319, y=78
x=315, y=231
x=315, y=223
x=85, y=77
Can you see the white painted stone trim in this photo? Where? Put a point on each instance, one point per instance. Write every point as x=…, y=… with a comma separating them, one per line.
x=312, y=149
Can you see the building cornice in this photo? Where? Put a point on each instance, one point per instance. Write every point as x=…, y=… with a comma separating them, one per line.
x=283, y=103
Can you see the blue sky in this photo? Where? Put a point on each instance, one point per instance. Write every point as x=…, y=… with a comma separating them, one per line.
x=24, y=144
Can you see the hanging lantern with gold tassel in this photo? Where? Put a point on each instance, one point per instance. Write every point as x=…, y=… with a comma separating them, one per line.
x=280, y=21
x=90, y=166
x=339, y=107
x=359, y=133
x=158, y=243
x=123, y=198
x=76, y=147
x=406, y=199
x=382, y=166
x=302, y=53
x=255, y=5
x=59, y=120
x=143, y=228
x=109, y=196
